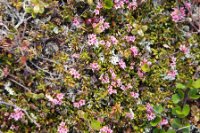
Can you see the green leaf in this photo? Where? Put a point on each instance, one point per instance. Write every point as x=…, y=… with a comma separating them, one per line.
x=193, y=94
x=196, y=84
x=171, y=131
x=186, y=109
x=180, y=86
x=176, y=98
x=156, y=130
x=108, y=4
x=158, y=109
x=28, y=10
x=145, y=68
x=184, y=112
x=155, y=121
x=95, y=124
x=176, y=123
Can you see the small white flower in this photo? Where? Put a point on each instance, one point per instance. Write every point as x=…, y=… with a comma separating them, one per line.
x=114, y=59
x=8, y=89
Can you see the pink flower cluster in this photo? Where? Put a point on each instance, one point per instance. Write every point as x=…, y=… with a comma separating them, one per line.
x=111, y=90
x=106, y=129
x=94, y=66
x=101, y=25
x=76, y=22
x=122, y=64
x=134, y=94
x=130, y=38
x=118, y=4
x=163, y=122
x=187, y=5
x=150, y=113
x=171, y=74
x=98, y=7
x=113, y=40
x=130, y=115
x=178, y=14
x=79, y=103
x=74, y=73
x=92, y=39
x=57, y=100
x=132, y=5
x=108, y=43
x=104, y=78
x=184, y=49
x=140, y=73
x=62, y=128
x=17, y=114
x=134, y=50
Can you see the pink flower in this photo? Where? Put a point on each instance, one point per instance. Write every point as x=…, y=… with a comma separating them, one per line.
x=92, y=39
x=134, y=94
x=132, y=5
x=123, y=87
x=17, y=114
x=106, y=129
x=130, y=38
x=140, y=73
x=62, y=128
x=119, y=82
x=118, y=4
x=164, y=122
x=75, y=55
x=113, y=75
x=96, y=11
x=178, y=14
x=129, y=27
x=76, y=104
x=57, y=100
x=113, y=40
x=79, y=103
x=122, y=64
x=82, y=102
x=171, y=75
x=130, y=115
x=74, y=73
x=150, y=114
x=184, y=49
x=145, y=61
x=187, y=5
x=104, y=78
x=99, y=5
x=111, y=90
x=60, y=96
x=76, y=22
x=173, y=63
x=5, y=71
x=134, y=50
x=108, y=44
x=94, y=66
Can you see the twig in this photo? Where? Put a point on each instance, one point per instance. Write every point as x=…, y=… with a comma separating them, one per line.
x=183, y=128
x=43, y=69
x=50, y=60
x=15, y=106
x=19, y=84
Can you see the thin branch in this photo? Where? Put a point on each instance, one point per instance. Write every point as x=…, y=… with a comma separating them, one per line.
x=50, y=60
x=43, y=69
x=26, y=88
x=15, y=106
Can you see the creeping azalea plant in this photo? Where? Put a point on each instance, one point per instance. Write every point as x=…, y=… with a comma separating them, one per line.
x=99, y=66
